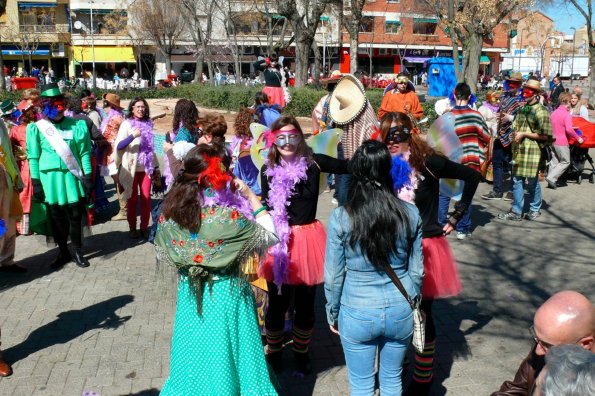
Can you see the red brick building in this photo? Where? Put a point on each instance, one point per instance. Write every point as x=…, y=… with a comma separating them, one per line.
x=401, y=34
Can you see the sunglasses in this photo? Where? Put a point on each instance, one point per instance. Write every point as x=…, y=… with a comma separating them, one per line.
x=544, y=345
x=402, y=81
x=397, y=134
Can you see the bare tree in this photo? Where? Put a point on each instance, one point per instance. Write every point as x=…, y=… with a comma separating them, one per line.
x=469, y=23
x=155, y=20
x=352, y=19
x=304, y=17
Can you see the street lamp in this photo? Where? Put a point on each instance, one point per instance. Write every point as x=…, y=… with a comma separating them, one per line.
x=572, y=63
x=541, y=50
x=93, y=45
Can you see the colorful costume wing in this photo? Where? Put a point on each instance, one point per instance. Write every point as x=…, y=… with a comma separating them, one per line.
x=325, y=143
x=258, y=151
x=442, y=137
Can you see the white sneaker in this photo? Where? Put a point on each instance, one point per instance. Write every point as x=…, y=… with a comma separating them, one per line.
x=461, y=236
x=334, y=201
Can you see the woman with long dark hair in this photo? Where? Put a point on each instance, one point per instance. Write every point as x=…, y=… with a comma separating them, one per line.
x=137, y=163
x=290, y=185
x=373, y=231
x=441, y=274
x=212, y=228
x=185, y=122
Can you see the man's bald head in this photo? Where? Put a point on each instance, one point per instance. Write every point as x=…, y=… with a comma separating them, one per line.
x=566, y=318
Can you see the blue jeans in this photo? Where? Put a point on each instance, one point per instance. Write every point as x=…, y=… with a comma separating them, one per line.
x=463, y=225
x=501, y=156
x=365, y=331
x=342, y=182
x=518, y=193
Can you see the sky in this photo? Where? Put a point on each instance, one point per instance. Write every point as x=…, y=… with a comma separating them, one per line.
x=565, y=16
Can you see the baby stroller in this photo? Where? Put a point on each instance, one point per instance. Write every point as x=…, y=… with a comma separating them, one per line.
x=579, y=154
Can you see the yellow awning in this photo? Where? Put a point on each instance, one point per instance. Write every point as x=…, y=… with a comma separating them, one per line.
x=103, y=54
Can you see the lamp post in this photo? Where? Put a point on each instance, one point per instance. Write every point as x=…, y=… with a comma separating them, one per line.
x=541, y=53
x=572, y=62
x=93, y=46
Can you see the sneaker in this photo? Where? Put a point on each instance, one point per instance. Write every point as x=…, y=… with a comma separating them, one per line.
x=532, y=215
x=492, y=195
x=334, y=201
x=551, y=184
x=327, y=190
x=508, y=196
x=461, y=236
x=510, y=216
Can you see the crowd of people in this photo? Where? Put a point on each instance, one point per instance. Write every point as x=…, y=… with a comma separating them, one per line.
x=246, y=245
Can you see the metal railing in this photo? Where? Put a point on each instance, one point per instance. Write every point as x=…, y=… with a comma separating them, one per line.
x=56, y=28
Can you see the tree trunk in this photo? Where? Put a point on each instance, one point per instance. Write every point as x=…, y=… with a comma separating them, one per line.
x=302, y=62
x=2, y=76
x=317, y=62
x=200, y=60
x=471, y=63
x=353, y=44
x=167, y=62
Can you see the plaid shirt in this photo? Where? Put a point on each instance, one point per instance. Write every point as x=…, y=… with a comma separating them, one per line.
x=527, y=154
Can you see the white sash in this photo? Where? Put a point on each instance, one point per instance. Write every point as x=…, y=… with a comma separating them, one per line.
x=54, y=137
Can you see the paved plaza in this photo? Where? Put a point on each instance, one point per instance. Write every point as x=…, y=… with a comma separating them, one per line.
x=107, y=329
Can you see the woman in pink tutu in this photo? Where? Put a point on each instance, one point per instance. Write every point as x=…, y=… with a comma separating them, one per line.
x=274, y=79
x=290, y=182
x=427, y=167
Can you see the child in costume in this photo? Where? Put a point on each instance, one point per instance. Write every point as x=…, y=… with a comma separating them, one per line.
x=290, y=182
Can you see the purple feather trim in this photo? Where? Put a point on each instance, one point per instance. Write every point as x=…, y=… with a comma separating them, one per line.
x=284, y=178
x=145, y=150
x=227, y=199
x=111, y=113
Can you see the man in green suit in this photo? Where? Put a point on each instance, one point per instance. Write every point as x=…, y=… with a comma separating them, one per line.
x=59, y=153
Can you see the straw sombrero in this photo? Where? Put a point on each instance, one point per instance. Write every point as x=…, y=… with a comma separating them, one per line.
x=348, y=100
x=516, y=76
x=533, y=84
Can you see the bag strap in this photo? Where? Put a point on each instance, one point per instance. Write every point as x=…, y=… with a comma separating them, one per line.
x=393, y=277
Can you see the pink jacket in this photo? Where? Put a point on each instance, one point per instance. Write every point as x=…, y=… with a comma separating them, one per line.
x=562, y=126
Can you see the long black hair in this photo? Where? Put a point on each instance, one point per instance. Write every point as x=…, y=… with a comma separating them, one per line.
x=377, y=216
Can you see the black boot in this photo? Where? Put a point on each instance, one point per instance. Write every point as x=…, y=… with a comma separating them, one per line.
x=302, y=364
x=62, y=259
x=80, y=260
x=275, y=360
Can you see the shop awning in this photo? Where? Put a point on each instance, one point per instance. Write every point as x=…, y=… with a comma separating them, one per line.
x=416, y=59
x=37, y=5
x=426, y=20
x=103, y=54
x=392, y=22
x=42, y=50
x=484, y=60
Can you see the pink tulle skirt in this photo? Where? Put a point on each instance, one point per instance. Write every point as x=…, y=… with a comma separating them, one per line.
x=442, y=276
x=307, y=245
x=276, y=95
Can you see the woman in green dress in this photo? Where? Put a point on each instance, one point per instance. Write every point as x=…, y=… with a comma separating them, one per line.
x=212, y=230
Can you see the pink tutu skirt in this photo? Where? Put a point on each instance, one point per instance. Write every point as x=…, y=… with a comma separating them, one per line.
x=442, y=276
x=307, y=245
x=276, y=95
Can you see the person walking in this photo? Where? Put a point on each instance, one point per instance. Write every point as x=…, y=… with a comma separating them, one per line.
x=274, y=79
x=209, y=233
x=532, y=127
x=137, y=164
x=373, y=234
x=562, y=130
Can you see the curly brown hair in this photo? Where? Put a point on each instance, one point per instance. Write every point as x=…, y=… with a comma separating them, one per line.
x=31, y=94
x=242, y=123
x=186, y=114
x=214, y=125
x=28, y=116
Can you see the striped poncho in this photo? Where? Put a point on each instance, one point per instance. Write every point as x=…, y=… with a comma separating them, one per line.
x=510, y=103
x=474, y=135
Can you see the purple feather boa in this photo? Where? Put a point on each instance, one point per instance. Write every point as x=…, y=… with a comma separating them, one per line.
x=227, y=199
x=146, y=149
x=284, y=178
x=404, y=178
x=110, y=114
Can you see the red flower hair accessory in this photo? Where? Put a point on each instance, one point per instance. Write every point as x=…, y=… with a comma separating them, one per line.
x=215, y=175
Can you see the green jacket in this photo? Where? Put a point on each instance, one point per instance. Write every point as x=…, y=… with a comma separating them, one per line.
x=59, y=185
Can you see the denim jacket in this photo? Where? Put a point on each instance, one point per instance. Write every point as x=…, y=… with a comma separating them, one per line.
x=351, y=280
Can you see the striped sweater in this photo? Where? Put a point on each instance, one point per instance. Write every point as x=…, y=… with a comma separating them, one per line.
x=474, y=135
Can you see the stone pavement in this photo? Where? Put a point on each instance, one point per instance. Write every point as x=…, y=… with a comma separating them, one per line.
x=107, y=328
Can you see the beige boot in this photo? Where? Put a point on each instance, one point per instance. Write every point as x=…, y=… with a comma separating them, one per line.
x=121, y=215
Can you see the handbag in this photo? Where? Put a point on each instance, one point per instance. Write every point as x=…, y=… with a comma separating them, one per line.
x=419, y=317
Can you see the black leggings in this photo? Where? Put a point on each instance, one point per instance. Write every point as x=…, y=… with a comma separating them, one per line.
x=426, y=306
x=67, y=220
x=304, y=297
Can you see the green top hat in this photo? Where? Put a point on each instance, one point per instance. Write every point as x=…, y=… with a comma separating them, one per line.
x=7, y=108
x=50, y=90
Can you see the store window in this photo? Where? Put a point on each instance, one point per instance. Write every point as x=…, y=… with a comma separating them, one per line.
x=392, y=27
x=367, y=24
x=37, y=19
x=104, y=21
x=426, y=26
